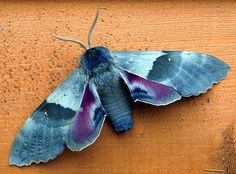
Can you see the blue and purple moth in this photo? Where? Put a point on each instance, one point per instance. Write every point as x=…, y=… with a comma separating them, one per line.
x=104, y=85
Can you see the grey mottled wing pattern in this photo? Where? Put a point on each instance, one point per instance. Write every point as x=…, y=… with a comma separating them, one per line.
x=189, y=73
x=42, y=136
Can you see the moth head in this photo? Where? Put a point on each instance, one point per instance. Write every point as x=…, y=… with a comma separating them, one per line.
x=79, y=41
x=94, y=57
x=96, y=52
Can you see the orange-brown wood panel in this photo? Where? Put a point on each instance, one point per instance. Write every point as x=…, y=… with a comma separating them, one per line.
x=189, y=136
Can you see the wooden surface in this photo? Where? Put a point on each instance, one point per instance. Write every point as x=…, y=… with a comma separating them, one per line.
x=188, y=136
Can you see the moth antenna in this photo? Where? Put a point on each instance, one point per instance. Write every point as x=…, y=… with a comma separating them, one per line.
x=92, y=27
x=70, y=39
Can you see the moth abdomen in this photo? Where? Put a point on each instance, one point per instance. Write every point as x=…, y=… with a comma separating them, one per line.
x=115, y=98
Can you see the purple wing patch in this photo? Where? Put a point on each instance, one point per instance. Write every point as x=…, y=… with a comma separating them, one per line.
x=148, y=91
x=88, y=121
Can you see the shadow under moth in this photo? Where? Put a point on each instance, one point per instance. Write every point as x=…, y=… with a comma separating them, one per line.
x=104, y=85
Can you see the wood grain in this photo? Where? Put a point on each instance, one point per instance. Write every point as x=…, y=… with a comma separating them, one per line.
x=185, y=137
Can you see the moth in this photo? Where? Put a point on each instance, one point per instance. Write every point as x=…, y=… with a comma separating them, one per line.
x=103, y=86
